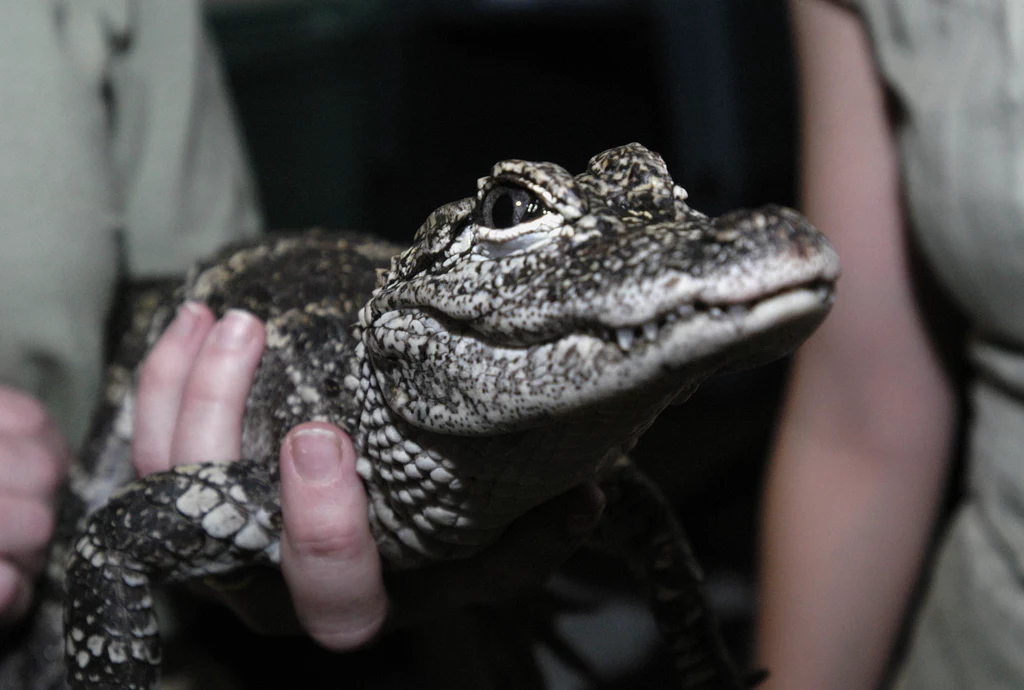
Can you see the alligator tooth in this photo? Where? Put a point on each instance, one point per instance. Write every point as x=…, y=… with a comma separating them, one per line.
x=715, y=311
x=686, y=310
x=737, y=310
x=625, y=338
x=651, y=331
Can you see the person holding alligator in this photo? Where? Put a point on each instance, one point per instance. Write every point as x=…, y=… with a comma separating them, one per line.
x=915, y=103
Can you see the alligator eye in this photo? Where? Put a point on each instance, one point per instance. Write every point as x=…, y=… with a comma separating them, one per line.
x=505, y=206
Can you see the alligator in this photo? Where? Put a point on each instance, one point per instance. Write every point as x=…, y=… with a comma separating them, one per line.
x=518, y=348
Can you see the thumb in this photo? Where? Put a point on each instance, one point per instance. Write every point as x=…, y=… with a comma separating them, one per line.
x=328, y=555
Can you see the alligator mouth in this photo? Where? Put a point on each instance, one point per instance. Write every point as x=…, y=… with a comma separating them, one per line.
x=818, y=296
x=626, y=338
x=586, y=366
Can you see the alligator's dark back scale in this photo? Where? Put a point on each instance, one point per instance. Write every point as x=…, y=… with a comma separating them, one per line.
x=518, y=348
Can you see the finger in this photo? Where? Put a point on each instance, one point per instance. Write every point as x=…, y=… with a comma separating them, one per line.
x=22, y=416
x=31, y=466
x=15, y=593
x=162, y=384
x=209, y=426
x=328, y=554
x=26, y=525
x=20, y=413
x=526, y=554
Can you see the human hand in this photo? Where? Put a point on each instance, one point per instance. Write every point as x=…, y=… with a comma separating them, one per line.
x=33, y=461
x=191, y=398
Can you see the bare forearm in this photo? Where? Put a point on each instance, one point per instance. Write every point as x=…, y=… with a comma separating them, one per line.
x=860, y=461
x=843, y=541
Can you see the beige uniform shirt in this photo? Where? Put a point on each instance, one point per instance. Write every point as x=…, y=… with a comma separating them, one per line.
x=957, y=66
x=118, y=149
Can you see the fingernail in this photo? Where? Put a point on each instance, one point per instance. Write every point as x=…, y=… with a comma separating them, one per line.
x=235, y=329
x=588, y=504
x=316, y=454
x=186, y=319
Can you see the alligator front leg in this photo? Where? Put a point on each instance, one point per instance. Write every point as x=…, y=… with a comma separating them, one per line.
x=646, y=528
x=191, y=521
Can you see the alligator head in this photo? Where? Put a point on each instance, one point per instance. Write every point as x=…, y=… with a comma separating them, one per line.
x=547, y=294
x=533, y=332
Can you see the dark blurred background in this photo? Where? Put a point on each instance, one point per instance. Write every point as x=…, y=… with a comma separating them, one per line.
x=368, y=114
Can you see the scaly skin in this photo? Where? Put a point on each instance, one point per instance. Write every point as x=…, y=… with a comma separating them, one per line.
x=518, y=348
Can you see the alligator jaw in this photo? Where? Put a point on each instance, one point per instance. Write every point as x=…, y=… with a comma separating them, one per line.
x=467, y=385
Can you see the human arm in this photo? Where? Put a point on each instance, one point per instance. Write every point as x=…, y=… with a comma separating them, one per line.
x=861, y=454
x=192, y=392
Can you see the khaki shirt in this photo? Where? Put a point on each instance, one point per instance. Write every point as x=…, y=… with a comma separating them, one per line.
x=118, y=151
